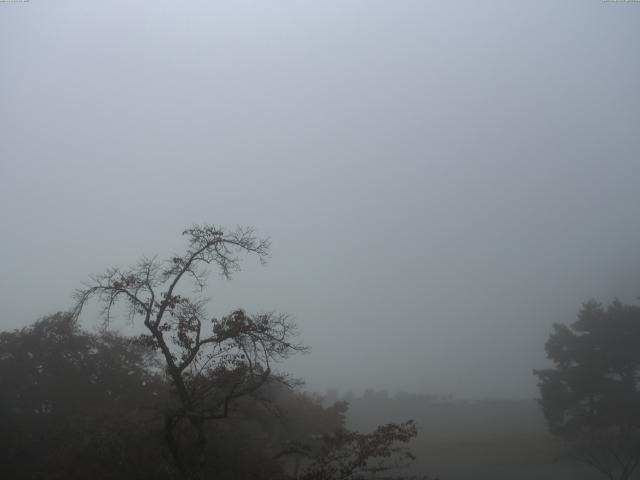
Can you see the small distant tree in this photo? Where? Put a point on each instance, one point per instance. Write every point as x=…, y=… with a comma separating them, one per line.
x=210, y=362
x=345, y=454
x=591, y=396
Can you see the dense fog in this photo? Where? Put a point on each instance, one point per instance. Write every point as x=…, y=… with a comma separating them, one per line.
x=441, y=182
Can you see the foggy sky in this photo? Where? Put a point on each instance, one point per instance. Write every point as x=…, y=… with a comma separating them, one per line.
x=441, y=181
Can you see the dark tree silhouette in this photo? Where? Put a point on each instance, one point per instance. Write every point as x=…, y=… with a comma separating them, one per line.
x=75, y=404
x=78, y=405
x=345, y=454
x=210, y=362
x=591, y=397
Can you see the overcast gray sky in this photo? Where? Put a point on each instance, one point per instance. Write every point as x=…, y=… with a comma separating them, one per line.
x=442, y=181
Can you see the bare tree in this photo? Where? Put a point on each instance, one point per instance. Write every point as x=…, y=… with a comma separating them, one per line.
x=209, y=361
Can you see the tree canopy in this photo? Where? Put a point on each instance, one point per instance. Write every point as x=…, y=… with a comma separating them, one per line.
x=591, y=396
x=74, y=404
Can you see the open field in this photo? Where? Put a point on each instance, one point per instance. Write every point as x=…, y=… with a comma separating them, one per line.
x=490, y=440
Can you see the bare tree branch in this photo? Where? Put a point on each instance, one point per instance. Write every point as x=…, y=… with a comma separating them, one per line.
x=210, y=362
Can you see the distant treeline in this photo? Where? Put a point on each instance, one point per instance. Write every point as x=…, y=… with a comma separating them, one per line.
x=333, y=395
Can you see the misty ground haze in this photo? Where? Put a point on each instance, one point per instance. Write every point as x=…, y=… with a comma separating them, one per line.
x=441, y=181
